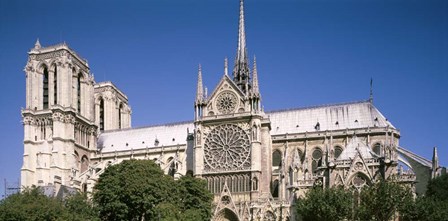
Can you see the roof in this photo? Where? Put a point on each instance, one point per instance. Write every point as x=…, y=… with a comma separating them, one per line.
x=348, y=115
x=353, y=147
x=145, y=137
x=361, y=114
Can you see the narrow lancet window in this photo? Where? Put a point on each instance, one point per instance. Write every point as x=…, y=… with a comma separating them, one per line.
x=55, y=85
x=101, y=114
x=119, y=115
x=79, y=92
x=45, y=88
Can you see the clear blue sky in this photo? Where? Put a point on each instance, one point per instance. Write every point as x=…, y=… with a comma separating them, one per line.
x=308, y=53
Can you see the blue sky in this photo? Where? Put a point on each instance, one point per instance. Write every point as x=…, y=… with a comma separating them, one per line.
x=309, y=52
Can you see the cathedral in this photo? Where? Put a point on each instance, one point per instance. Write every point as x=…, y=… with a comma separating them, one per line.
x=256, y=163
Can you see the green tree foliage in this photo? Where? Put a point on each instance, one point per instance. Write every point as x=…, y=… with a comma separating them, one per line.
x=32, y=204
x=139, y=190
x=196, y=199
x=382, y=201
x=438, y=188
x=80, y=208
x=331, y=204
x=425, y=209
x=431, y=207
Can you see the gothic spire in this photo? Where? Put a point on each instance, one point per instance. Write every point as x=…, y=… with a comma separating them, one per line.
x=241, y=68
x=200, y=90
x=255, y=89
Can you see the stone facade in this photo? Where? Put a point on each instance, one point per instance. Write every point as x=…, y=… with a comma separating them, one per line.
x=256, y=164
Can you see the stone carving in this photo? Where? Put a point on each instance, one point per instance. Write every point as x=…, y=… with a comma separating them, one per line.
x=227, y=147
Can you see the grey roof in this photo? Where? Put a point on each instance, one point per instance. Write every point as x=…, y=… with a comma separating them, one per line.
x=145, y=137
x=353, y=147
x=361, y=114
x=348, y=115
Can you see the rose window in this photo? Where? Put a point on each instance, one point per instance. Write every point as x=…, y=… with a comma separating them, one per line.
x=226, y=102
x=227, y=147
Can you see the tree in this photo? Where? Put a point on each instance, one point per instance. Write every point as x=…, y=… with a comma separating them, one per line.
x=438, y=188
x=196, y=199
x=431, y=207
x=80, y=208
x=332, y=204
x=382, y=200
x=425, y=209
x=32, y=204
x=139, y=190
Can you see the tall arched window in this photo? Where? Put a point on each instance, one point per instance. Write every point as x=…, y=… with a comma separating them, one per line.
x=101, y=114
x=45, y=88
x=276, y=160
x=120, y=108
x=79, y=92
x=337, y=151
x=317, y=159
x=173, y=166
x=84, y=163
x=55, y=85
x=377, y=149
x=274, y=188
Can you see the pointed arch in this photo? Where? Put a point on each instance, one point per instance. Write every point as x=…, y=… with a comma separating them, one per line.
x=226, y=215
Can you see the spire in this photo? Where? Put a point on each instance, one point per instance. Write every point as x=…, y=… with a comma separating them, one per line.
x=241, y=68
x=241, y=53
x=200, y=90
x=226, y=67
x=37, y=44
x=371, y=91
x=255, y=89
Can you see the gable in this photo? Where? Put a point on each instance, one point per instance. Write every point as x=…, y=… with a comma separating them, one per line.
x=227, y=98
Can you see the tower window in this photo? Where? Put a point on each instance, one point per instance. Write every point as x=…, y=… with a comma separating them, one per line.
x=55, y=85
x=119, y=115
x=45, y=88
x=79, y=92
x=101, y=114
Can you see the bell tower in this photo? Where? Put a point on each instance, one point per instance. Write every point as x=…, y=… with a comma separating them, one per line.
x=58, y=119
x=232, y=137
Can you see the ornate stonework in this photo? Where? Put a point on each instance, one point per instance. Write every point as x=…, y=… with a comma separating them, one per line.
x=227, y=147
x=226, y=102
